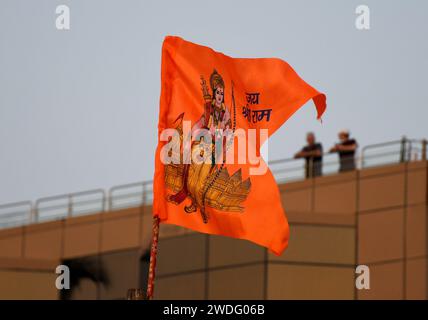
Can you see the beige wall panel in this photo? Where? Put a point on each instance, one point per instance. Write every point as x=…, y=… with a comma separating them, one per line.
x=297, y=185
x=87, y=290
x=120, y=233
x=321, y=218
x=237, y=283
x=416, y=281
x=382, y=170
x=381, y=192
x=336, y=178
x=24, y=264
x=122, y=272
x=25, y=285
x=146, y=227
x=81, y=239
x=297, y=200
x=416, y=231
x=181, y=254
x=338, y=198
x=319, y=244
x=182, y=287
x=11, y=232
x=120, y=213
x=417, y=185
x=11, y=243
x=380, y=236
x=225, y=251
x=386, y=282
x=92, y=218
x=310, y=282
x=43, y=241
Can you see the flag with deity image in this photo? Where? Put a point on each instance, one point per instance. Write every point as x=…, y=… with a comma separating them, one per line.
x=215, y=113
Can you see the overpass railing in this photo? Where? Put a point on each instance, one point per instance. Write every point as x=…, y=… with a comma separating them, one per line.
x=139, y=193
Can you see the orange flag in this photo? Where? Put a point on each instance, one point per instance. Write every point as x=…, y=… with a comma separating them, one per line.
x=215, y=113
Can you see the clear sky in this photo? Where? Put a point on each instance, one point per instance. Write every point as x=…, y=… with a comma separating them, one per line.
x=78, y=108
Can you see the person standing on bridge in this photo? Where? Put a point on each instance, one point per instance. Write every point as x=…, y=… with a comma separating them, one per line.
x=346, y=149
x=312, y=153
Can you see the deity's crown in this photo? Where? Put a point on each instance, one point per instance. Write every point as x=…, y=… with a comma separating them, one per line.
x=216, y=80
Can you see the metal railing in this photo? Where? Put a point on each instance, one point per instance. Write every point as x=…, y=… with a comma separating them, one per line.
x=68, y=205
x=130, y=195
x=15, y=214
x=139, y=193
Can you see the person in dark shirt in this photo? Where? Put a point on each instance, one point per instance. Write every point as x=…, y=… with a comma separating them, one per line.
x=312, y=153
x=346, y=150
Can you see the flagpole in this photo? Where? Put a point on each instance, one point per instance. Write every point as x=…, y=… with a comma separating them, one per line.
x=153, y=255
